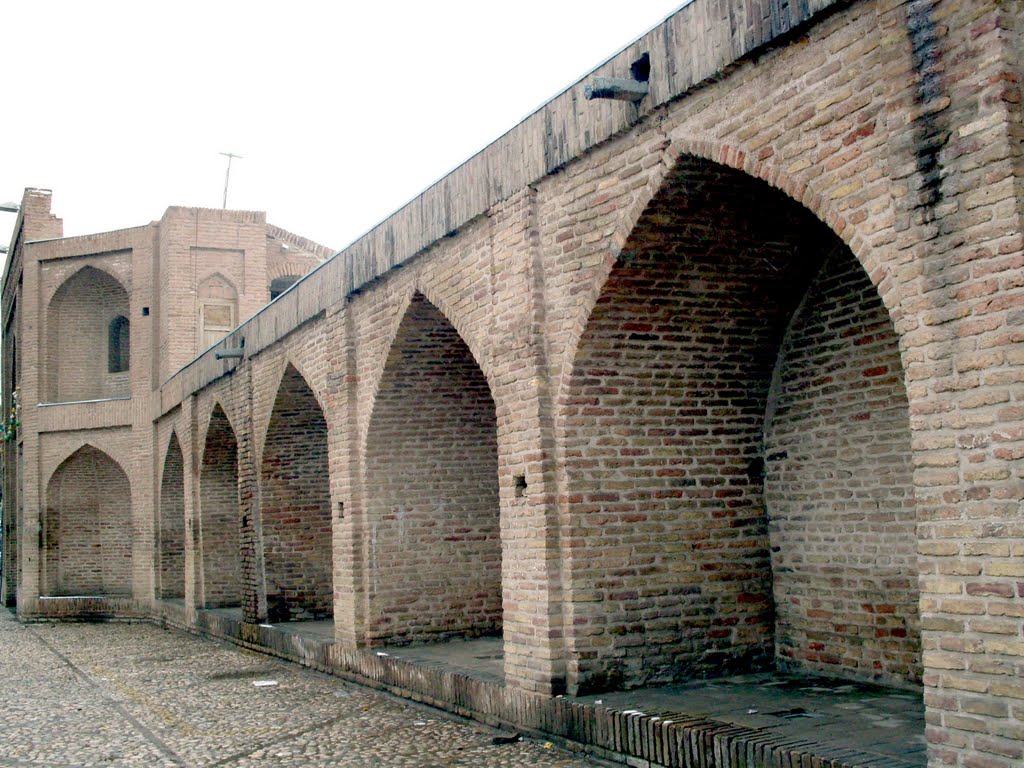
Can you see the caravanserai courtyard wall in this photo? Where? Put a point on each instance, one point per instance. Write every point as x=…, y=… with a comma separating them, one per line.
x=724, y=380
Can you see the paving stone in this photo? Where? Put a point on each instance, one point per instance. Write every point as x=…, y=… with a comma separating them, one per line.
x=137, y=695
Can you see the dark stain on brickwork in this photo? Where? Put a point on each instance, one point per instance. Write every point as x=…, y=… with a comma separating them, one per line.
x=931, y=132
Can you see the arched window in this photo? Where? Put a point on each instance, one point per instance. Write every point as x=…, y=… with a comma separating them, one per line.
x=117, y=345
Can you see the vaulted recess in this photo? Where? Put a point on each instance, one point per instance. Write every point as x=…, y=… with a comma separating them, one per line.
x=737, y=444
x=431, y=534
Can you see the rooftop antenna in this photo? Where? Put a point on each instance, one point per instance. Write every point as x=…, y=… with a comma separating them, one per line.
x=227, y=175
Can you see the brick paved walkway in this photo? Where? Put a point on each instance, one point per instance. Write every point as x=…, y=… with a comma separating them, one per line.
x=137, y=695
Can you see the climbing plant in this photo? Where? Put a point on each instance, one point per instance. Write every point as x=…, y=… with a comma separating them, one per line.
x=11, y=421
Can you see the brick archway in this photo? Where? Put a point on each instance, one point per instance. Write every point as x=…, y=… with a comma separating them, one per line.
x=667, y=414
x=219, y=523
x=432, y=538
x=172, y=523
x=87, y=529
x=78, y=359
x=295, y=509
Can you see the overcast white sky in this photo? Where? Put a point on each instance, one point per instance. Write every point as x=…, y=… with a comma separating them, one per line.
x=342, y=111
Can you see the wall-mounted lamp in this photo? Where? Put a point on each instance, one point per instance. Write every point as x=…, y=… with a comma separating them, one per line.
x=618, y=88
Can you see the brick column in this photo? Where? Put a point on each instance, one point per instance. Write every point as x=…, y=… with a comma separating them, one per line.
x=254, y=597
x=959, y=223
x=531, y=585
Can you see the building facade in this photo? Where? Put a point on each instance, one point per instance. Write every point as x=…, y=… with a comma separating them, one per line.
x=93, y=325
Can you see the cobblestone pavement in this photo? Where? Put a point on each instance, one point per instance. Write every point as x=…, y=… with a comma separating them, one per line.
x=137, y=695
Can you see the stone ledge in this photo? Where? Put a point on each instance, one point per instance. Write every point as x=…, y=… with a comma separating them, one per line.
x=647, y=740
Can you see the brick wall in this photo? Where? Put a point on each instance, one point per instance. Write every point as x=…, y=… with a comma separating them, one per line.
x=839, y=488
x=433, y=544
x=88, y=528
x=295, y=510
x=172, y=523
x=220, y=524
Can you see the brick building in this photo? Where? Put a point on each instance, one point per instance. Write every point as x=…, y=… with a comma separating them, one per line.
x=724, y=376
x=94, y=324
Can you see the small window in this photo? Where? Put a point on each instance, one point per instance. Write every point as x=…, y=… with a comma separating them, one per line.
x=118, y=349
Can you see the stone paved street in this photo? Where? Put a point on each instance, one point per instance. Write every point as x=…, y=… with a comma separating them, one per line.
x=137, y=695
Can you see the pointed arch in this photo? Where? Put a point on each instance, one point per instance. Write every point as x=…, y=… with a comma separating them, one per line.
x=433, y=542
x=219, y=524
x=87, y=338
x=414, y=295
x=682, y=152
x=87, y=527
x=295, y=511
x=172, y=523
x=664, y=413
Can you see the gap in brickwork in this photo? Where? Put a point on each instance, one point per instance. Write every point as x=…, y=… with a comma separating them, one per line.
x=172, y=524
x=219, y=530
x=78, y=357
x=432, y=533
x=87, y=528
x=670, y=550
x=295, y=506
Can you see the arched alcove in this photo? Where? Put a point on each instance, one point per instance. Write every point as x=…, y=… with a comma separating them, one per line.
x=87, y=339
x=705, y=534
x=172, y=523
x=87, y=527
x=295, y=507
x=220, y=527
x=433, y=539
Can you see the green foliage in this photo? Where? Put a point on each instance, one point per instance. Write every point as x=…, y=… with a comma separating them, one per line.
x=9, y=426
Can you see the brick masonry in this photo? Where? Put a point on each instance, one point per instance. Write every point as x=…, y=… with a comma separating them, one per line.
x=743, y=360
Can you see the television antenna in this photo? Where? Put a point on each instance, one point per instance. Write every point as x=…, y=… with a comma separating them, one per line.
x=227, y=175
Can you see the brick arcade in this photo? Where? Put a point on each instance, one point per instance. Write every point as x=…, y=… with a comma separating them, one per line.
x=725, y=379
